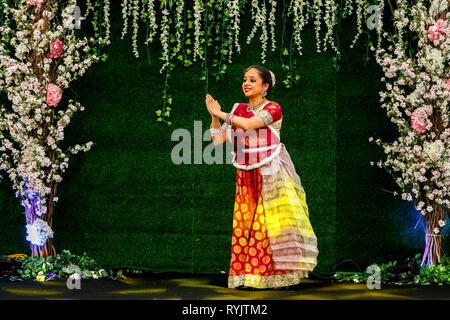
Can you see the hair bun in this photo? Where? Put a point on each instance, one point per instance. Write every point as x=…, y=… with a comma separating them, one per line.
x=273, y=78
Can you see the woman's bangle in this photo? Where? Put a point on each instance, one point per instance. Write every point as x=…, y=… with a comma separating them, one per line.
x=215, y=131
x=228, y=118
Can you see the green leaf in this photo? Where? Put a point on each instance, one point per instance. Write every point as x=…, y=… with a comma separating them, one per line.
x=158, y=113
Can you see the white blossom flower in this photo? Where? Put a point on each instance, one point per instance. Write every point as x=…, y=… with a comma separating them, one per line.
x=38, y=232
x=434, y=149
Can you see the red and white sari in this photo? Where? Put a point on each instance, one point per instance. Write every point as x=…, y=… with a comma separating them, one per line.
x=273, y=243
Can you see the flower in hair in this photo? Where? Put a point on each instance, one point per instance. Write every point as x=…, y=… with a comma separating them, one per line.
x=273, y=78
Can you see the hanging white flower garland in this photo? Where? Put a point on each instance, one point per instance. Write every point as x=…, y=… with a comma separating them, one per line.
x=151, y=21
x=135, y=27
x=125, y=17
x=318, y=9
x=272, y=23
x=298, y=10
x=234, y=13
x=256, y=16
x=198, y=9
x=106, y=8
x=165, y=39
x=329, y=19
x=264, y=36
x=179, y=26
x=359, y=9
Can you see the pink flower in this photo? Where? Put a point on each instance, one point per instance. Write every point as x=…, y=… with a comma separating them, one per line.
x=35, y=2
x=39, y=23
x=448, y=84
x=56, y=49
x=434, y=31
x=440, y=24
x=53, y=94
x=417, y=120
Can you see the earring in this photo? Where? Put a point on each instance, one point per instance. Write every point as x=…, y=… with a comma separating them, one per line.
x=264, y=93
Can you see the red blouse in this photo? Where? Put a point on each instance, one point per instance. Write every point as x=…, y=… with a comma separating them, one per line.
x=255, y=147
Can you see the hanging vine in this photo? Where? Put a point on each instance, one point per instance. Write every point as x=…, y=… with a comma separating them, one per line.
x=165, y=36
x=222, y=37
x=216, y=24
x=212, y=27
x=208, y=40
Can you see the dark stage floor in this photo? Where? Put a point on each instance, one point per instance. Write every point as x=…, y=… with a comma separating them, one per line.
x=206, y=287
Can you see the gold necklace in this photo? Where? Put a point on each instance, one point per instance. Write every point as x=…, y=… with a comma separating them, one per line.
x=256, y=106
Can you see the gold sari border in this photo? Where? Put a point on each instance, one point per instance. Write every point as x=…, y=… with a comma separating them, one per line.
x=262, y=282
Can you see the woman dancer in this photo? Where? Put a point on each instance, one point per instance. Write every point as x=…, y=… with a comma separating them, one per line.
x=273, y=244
